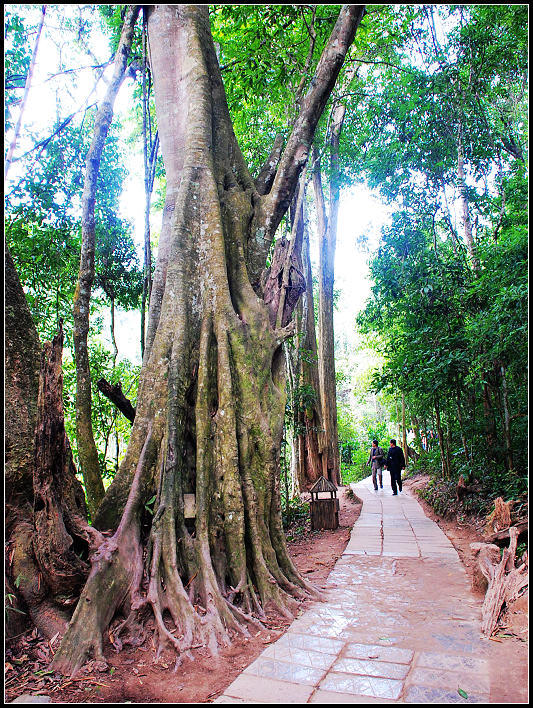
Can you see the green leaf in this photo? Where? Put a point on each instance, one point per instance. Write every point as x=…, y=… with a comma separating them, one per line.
x=462, y=693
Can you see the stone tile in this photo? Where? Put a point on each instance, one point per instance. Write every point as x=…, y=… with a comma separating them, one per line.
x=362, y=685
x=265, y=690
x=229, y=699
x=424, y=694
x=379, y=653
x=303, y=657
x=284, y=671
x=321, y=696
x=368, y=667
x=328, y=630
x=319, y=644
x=459, y=646
x=467, y=680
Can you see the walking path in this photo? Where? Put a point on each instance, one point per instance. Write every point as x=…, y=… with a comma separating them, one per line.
x=400, y=624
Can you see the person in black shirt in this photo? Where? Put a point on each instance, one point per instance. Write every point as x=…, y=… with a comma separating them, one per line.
x=395, y=463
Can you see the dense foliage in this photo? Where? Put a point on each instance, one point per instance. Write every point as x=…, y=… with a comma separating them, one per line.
x=448, y=136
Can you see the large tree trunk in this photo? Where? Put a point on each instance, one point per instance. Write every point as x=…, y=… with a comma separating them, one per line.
x=22, y=363
x=209, y=417
x=21, y=371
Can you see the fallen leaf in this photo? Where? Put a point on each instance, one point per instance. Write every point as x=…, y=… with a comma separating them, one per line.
x=22, y=659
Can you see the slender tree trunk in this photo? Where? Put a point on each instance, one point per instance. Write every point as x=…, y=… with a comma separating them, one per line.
x=490, y=423
x=112, y=330
x=463, y=198
x=150, y=152
x=404, y=432
x=442, y=444
x=506, y=421
x=210, y=408
x=88, y=455
x=460, y=419
x=327, y=229
x=309, y=425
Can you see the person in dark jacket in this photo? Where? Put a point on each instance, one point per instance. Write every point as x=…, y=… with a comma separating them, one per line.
x=395, y=463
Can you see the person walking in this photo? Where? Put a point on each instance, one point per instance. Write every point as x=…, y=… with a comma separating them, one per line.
x=395, y=463
x=376, y=459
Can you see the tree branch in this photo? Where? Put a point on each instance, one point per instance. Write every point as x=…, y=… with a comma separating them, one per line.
x=299, y=144
x=268, y=172
x=115, y=394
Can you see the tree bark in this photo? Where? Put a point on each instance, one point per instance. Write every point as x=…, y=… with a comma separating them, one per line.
x=22, y=365
x=88, y=455
x=46, y=517
x=209, y=418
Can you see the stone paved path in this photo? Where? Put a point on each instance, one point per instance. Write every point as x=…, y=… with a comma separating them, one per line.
x=400, y=624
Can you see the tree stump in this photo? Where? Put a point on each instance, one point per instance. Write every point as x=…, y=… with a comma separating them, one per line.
x=500, y=518
x=488, y=556
x=505, y=582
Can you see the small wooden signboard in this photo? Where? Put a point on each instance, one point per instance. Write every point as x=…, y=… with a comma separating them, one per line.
x=324, y=510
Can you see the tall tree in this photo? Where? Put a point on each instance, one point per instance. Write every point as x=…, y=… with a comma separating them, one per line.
x=87, y=451
x=327, y=228
x=209, y=416
x=307, y=412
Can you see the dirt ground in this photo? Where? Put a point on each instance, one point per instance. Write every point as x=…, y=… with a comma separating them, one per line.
x=135, y=676
x=509, y=666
